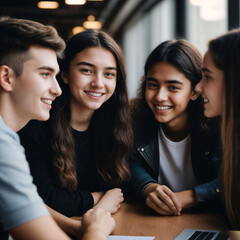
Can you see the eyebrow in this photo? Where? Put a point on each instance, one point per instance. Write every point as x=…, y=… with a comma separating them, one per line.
x=92, y=65
x=50, y=69
x=206, y=70
x=168, y=81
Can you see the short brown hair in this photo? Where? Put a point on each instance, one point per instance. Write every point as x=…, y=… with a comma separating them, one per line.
x=18, y=35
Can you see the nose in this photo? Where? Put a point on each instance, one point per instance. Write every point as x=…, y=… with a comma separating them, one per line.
x=97, y=81
x=161, y=95
x=199, y=87
x=55, y=88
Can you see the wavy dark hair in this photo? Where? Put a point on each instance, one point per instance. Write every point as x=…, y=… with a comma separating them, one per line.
x=225, y=53
x=112, y=119
x=187, y=59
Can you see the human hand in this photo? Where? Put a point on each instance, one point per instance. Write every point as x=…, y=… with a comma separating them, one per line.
x=97, y=224
x=187, y=198
x=162, y=200
x=111, y=200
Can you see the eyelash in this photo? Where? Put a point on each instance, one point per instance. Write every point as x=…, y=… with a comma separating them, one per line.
x=110, y=74
x=84, y=70
x=151, y=85
x=173, y=88
x=207, y=78
x=88, y=71
x=45, y=74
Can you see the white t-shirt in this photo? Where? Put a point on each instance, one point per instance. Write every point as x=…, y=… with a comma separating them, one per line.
x=175, y=165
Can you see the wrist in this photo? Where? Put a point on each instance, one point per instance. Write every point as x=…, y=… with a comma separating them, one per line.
x=149, y=187
x=189, y=199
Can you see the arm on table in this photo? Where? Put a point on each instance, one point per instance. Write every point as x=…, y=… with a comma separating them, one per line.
x=111, y=200
x=74, y=227
x=38, y=229
x=140, y=176
x=68, y=225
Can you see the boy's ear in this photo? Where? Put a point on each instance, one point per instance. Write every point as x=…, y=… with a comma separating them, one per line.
x=6, y=81
x=64, y=76
x=194, y=95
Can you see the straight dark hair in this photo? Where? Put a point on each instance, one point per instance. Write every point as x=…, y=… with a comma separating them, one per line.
x=187, y=59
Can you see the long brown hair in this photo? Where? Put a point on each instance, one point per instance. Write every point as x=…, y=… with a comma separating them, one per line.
x=225, y=52
x=112, y=119
x=187, y=59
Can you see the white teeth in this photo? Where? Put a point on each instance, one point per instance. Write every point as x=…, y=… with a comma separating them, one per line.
x=95, y=94
x=47, y=101
x=162, y=107
x=205, y=100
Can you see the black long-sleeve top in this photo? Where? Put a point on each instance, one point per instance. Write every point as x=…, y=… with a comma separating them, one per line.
x=36, y=138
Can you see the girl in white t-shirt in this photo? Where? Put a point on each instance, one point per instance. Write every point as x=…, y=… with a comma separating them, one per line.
x=174, y=163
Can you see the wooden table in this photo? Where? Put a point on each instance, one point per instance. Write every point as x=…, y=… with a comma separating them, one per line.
x=134, y=219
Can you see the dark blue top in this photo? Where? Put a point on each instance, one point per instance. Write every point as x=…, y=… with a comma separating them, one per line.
x=206, y=155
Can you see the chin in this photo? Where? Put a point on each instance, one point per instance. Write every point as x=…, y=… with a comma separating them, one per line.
x=95, y=106
x=209, y=114
x=162, y=120
x=43, y=117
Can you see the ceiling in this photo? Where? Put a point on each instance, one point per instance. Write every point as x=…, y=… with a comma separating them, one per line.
x=65, y=17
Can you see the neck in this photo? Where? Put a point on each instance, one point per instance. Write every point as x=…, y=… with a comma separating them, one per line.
x=178, y=130
x=80, y=118
x=11, y=116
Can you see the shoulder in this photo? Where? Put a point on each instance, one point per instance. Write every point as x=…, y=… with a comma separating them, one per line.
x=206, y=138
x=7, y=134
x=146, y=141
x=10, y=145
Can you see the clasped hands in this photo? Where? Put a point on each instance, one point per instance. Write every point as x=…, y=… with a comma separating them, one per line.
x=166, y=202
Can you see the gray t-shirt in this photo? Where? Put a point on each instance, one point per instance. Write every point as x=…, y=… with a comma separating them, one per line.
x=19, y=200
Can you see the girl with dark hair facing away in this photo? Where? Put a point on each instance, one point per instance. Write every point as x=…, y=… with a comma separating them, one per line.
x=174, y=163
x=78, y=158
x=220, y=90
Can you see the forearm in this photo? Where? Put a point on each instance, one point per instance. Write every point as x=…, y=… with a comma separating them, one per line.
x=38, y=229
x=140, y=176
x=67, y=202
x=70, y=226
